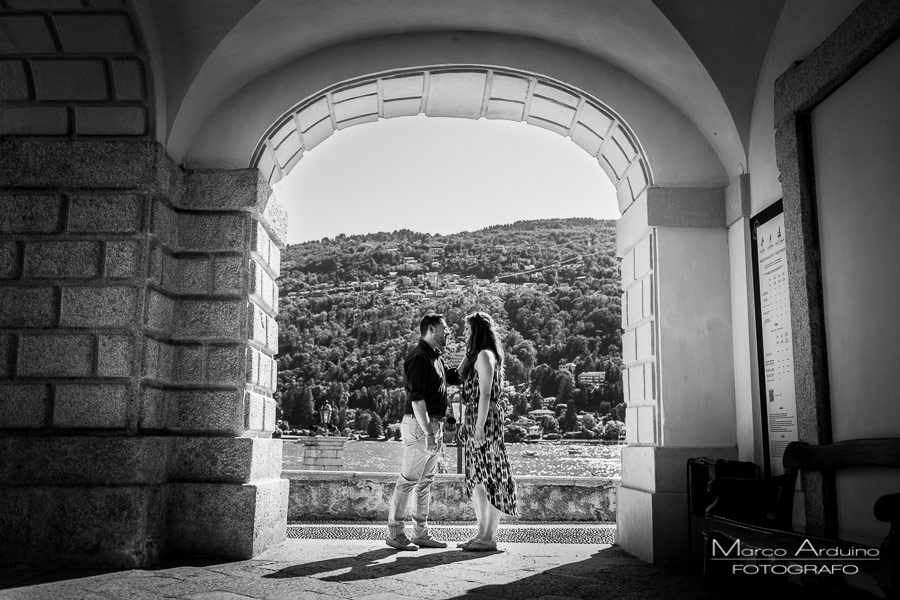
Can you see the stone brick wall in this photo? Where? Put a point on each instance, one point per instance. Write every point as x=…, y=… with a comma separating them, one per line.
x=137, y=338
x=638, y=341
x=211, y=334
x=317, y=453
x=210, y=368
x=72, y=287
x=72, y=69
x=73, y=470
x=365, y=496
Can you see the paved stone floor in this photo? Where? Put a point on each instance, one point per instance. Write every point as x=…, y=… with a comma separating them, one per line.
x=369, y=570
x=457, y=531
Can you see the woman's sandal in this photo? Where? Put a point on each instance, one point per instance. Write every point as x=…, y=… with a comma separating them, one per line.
x=480, y=546
x=467, y=542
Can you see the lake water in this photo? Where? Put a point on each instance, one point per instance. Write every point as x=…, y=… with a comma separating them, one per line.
x=547, y=459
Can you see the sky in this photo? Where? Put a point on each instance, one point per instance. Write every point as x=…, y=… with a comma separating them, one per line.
x=440, y=176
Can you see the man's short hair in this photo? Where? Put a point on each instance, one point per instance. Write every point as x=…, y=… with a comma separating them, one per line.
x=430, y=320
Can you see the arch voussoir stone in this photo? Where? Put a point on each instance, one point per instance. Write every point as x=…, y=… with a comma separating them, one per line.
x=468, y=92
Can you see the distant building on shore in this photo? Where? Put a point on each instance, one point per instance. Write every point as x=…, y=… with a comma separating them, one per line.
x=592, y=378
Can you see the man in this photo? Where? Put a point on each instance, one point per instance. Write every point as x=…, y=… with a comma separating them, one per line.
x=427, y=377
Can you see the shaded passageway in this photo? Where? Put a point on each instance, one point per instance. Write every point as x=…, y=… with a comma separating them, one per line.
x=368, y=569
x=322, y=569
x=140, y=243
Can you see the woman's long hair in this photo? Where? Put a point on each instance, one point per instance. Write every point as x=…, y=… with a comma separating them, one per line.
x=484, y=336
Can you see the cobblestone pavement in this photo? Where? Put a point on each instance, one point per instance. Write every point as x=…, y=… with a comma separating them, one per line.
x=457, y=531
x=369, y=570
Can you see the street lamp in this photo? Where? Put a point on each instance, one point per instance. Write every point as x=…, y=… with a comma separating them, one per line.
x=326, y=415
x=456, y=406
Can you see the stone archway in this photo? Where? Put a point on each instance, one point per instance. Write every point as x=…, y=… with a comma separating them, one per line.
x=473, y=92
x=136, y=329
x=673, y=245
x=460, y=91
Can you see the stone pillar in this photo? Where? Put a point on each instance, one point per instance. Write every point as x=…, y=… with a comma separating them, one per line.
x=209, y=369
x=323, y=453
x=136, y=345
x=677, y=351
x=79, y=484
x=746, y=380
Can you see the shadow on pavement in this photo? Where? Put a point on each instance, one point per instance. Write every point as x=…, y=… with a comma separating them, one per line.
x=366, y=566
x=15, y=577
x=609, y=573
x=613, y=573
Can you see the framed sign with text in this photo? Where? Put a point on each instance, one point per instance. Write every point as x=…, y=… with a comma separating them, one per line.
x=775, y=349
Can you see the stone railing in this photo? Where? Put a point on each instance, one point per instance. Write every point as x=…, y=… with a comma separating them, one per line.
x=357, y=496
x=319, y=453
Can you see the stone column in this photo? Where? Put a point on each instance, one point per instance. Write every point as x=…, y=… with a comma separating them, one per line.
x=79, y=481
x=322, y=453
x=677, y=349
x=746, y=380
x=136, y=344
x=209, y=369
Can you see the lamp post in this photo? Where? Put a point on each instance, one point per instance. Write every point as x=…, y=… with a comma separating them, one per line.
x=457, y=407
x=326, y=415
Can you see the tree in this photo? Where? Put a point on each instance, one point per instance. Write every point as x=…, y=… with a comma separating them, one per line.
x=581, y=399
x=305, y=408
x=550, y=424
x=337, y=334
x=613, y=430
x=514, y=434
x=289, y=399
x=544, y=381
x=279, y=411
x=588, y=422
x=361, y=423
x=525, y=351
x=519, y=404
x=514, y=370
x=376, y=427
x=396, y=404
x=565, y=387
x=570, y=420
x=337, y=394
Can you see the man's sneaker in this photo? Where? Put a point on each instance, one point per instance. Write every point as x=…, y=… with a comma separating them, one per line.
x=428, y=542
x=401, y=542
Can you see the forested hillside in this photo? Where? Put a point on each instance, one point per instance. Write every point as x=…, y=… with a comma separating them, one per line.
x=350, y=307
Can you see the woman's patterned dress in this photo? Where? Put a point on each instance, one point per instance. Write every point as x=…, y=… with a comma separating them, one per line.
x=487, y=464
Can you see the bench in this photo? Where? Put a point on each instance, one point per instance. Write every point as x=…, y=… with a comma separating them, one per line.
x=748, y=536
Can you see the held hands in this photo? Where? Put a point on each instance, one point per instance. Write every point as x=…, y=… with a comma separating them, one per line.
x=434, y=439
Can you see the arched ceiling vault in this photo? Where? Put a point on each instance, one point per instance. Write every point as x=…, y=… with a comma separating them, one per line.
x=703, y=60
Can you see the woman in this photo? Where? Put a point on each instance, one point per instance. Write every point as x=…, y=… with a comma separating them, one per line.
x=489, y=481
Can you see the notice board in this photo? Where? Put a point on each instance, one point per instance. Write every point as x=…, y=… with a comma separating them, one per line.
x=775, y=348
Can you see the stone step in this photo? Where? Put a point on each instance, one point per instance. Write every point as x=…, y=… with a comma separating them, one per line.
x=458, y=531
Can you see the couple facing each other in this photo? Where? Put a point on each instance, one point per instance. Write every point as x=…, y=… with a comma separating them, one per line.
x=489, y=482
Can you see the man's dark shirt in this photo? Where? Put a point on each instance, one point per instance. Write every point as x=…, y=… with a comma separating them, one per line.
x=427, y=378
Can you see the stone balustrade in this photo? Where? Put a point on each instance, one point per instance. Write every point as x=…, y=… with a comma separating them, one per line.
x=319, y=453
x=360, y=496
